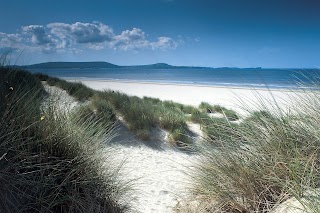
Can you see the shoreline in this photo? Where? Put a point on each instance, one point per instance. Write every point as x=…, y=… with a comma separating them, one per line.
x=262, y=88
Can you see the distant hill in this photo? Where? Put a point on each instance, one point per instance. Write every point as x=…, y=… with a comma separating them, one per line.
x=153, y=66
x=81, y=65
x=70, y=65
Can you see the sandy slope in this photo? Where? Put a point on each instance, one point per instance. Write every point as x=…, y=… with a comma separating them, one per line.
x=157, y=168
x=160, y=182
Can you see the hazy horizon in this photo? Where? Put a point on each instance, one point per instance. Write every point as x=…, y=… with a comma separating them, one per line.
x=244, y=34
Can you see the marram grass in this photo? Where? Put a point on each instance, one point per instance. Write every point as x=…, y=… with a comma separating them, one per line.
x=268, y=158
x=144, y=114
x=50, y=162
x=75, y=89
x=227, y=113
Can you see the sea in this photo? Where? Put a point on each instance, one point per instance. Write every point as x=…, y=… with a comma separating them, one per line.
x=227, y=77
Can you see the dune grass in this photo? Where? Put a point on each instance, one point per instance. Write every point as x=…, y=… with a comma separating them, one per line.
x=50, y=162
x=97, y=110
x=75, y=89
x=216, y=129
x=206, y=107
x=199, y=117
x=266, y=159
x=227, y=113
x=186, y=109
x=144, y=114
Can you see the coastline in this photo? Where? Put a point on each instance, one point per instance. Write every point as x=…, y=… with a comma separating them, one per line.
x=195, y=84
x=239, y=99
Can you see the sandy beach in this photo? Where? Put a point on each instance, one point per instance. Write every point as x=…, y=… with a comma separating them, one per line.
x=235, y=98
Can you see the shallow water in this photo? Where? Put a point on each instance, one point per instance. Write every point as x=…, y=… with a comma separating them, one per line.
x=253, y=77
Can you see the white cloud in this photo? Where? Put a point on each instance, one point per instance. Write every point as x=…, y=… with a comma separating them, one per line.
x=40, y=39
x=135, y=39
x=133, y=35
x=164, y=43
x=82, y=33
x=39, y=36
x=130, y=40
x=70, y=37
x=10, y=40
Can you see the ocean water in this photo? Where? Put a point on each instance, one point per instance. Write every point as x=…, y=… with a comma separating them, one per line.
x=233, y=77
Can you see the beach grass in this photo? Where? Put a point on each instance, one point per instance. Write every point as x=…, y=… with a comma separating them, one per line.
x=268, y=158
x=215, y=128
x=50, y=162
x=98, y=112
x=75, y=89
x=218, y=130
x=199, y=117
x=186, y=109
x=206, y=107
x=227, y=113
x=144, y=114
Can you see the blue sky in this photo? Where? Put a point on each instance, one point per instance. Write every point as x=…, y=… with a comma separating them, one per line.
x=215, y=33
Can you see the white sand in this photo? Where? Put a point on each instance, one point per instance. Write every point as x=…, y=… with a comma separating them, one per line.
x=160, y=182
x=158, y=170
x=233, y=98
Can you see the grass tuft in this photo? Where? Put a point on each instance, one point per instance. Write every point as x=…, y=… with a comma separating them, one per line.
x=48, y=161
x=144, y=114
x=227, y=113
x=268, y=158
x=206, y=107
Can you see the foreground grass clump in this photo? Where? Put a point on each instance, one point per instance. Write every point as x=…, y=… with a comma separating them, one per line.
x=275, y=156
x=48, y=161
x=219, y=130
